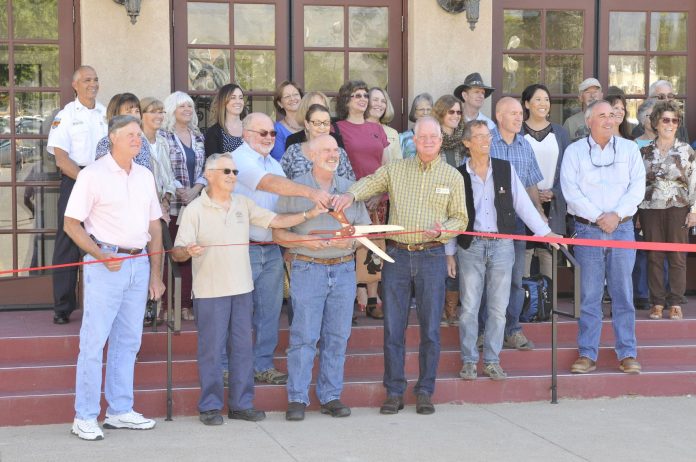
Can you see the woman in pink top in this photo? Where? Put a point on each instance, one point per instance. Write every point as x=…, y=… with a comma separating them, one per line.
x=367, y=148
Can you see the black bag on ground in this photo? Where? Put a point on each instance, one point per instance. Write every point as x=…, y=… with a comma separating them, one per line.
x=537, y=299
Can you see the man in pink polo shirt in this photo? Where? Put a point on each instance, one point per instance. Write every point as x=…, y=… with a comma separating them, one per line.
x=116, y=201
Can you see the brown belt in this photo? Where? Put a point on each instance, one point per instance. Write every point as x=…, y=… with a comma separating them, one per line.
x=118, y=249
x=415, y=247
x=324, y=261
x=588, y=222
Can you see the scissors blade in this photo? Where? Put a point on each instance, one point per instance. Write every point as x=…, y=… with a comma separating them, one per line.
x=372, y=246
x=377, y=229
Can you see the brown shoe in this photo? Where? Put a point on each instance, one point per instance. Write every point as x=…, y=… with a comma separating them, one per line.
x=375, y=311
x=675, y=312
x=630, y=366
x=450, y=312
x=583, y=365
x=656, y=312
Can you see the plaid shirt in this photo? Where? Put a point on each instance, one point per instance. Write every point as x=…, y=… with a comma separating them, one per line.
x=143, y=157
x=419, y=195
x=520, y=155
x=178, y=160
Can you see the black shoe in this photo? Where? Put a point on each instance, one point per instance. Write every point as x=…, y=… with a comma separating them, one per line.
x=61, y=318
x=295, y=411
x=211, y=417
x=641, y=303
x=424, y=405
x=392, y=405
x=251, y=415
x=335, y=408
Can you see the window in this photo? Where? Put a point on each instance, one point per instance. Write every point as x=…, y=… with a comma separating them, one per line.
x=36, y=52
x=645, y=43
x=538, y=42
x=255, y=44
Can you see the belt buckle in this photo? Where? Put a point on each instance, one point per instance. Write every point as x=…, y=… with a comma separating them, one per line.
x=414, y=247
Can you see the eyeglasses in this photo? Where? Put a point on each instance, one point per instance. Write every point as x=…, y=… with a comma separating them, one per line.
x=155, y=112
x=423, y=138
x=227, y=171
x=454, y=111
x=613, y=146
x=360, y=95
x=424, y=110
x=666, y=120
x=482, y=136
x=319, y=123
x=663, y=96
x=264, y=133
x=292, y=96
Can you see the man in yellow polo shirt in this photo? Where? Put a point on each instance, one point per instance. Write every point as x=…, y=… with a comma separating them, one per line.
x=425, y=194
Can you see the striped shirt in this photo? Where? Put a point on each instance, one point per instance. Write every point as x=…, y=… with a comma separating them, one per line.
x=419, y=195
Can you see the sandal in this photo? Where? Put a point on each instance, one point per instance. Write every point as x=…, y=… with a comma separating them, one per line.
x=675, y=312
x=656, y=312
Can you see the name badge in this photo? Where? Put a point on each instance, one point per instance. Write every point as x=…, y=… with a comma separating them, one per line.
x=442, y=191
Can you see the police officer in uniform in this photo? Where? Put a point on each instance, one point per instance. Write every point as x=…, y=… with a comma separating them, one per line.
x=73, y=139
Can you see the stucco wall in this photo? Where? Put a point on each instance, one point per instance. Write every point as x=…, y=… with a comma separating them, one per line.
x=443, y=50
x=127, y=57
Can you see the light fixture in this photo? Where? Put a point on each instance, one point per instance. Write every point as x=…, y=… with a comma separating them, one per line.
x=472, y=12
x=133, y=8
x=458, y=6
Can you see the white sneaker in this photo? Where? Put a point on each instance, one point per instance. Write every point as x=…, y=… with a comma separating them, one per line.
x=131, y=420
x=87, y=430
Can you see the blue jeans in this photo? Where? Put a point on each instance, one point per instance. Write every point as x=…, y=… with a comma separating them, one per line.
x=425, y=271
x=268, y=273
x=323, y=299
x=516, y=292
x=114, y=307
x=616, y=265
x=224, y=323
x=484, y=265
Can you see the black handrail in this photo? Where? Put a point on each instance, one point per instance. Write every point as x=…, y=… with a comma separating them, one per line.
x=173, y=323
x=555, y=312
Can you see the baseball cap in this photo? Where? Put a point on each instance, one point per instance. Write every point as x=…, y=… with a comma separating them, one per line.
x=587, y=83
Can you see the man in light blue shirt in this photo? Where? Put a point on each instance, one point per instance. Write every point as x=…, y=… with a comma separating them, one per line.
x=261, y=178
x=603, y=181
x=508, y=144
x=495, y=196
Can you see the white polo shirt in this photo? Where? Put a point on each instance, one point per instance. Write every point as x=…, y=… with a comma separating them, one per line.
x=77, y=130
x=116, y=207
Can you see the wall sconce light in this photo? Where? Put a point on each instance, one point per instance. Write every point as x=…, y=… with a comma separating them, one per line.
x=458, y=6
x=132, y=8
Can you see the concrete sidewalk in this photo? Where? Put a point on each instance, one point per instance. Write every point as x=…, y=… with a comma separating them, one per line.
x=624, y=429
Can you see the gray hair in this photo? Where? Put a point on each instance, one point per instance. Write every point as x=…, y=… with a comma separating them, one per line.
x=427, y=119
x=653, y=87
x=646, y=106
x=172, y=102
x=591, y=106
x=211, y=161
x=469, y=127
x=420, y=97
x=120, y=121
x=78, y=71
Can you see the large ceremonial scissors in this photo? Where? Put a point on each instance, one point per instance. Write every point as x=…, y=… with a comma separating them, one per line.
x=359, y=232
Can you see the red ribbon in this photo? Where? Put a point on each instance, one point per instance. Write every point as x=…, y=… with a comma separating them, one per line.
x=612, y=244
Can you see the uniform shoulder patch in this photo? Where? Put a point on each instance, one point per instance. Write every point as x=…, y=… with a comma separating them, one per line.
x=56, y=122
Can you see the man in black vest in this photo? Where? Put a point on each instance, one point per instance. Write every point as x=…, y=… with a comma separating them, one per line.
x=494, y=194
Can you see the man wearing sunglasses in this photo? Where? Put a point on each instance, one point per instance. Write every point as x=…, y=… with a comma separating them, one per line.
x=223, y=287
x=662, y=90
x=261, y=179
x=603, y=181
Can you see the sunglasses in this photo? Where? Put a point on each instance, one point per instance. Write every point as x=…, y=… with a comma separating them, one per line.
x=264, y=133
x=454, y=111
x=227, y=171
x=662, y=96
x=360, y=95
x=666, y=120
